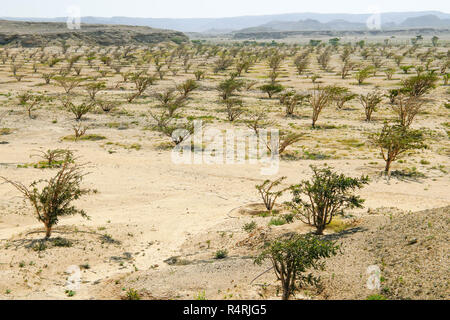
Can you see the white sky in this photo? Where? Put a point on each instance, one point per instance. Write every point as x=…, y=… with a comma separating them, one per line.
x=208, y=8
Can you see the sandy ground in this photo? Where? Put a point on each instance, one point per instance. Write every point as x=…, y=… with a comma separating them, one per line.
x=151, y=209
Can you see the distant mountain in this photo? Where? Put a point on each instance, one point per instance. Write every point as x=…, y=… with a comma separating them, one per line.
x=430, y=21
x=32, y=34
x=426, y=21
x=306, y=25
x=237, y=23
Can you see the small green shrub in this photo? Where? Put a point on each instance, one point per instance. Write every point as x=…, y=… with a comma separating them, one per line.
x=376, y=297
x=221, y=254
x=200, y=296
x=249, y=227
x=132, y=294
x=61, y=242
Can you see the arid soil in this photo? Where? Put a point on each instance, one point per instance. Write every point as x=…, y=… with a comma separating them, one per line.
x=155, y=226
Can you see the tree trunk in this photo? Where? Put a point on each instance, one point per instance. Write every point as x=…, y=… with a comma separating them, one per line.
x=48, y=231
x=286, y=292
x=320, y=226
x=319, y=231
x=387, y=169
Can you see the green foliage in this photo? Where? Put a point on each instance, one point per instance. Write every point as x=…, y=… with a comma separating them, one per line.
x=376, y=297
x=363, y=74
x=30, y=101
x=61, y=242
x=405, y=69
x=79, y=110
x=234, y=108
x=141, y=82
x=271, y=89
x=249, y=227
x=70, y=293
x=268, y=192
x=55, y=198
x=187, y=87
x=419, y=85
x=293, y=257
x=327, y=194
x=54, y=158
x=394, y=140
x=200, y=296
x=291, y=100
x=370, y=101
x=132, y=294
x=341, y=95
x=221, y=254
x=68, y=83
x=178, y=132
x=93, y=88
x=228, y=87
x=314, y=43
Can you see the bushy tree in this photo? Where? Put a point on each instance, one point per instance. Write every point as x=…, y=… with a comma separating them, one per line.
x=363, y=74
x=272, y=89
x=228, y=87
x=406, y=107
x=317, y=201
x=419, y=85
x=30, y=102
x=170, y=101
x=370, y=102
x=68, y=83
x=291, y=100
x=301, y=63
x=394, y=140
x=54, y=200
x=257, y=120
x=233, y=108
x=187, y=87
x=93, y=88
x=79, y=110
x=178, y=132
x=286, y=138
x=55, y=158
x=318, y=100
x=293, y=257
x=141, y=82
x=341, y=95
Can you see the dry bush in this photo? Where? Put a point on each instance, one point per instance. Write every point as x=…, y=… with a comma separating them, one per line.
x=141, y=84
x=107, y=105
x=370, y=101
x=268, y=195
x=54, y=199
x=394, y=140
x=68, y=83
x=93, y=88
x=234, y=108
x=79, y=110
x=406, y=107
x=258, y=120
x=54, y=158
x=30, y=102
x=291, y=100
x=187, y=87
x=79, y=131
x=177, y=132
x=319, y=99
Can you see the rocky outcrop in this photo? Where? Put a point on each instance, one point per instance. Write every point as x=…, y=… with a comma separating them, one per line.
x=34, y=34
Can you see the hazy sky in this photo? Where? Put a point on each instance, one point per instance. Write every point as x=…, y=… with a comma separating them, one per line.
x=208, y=8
